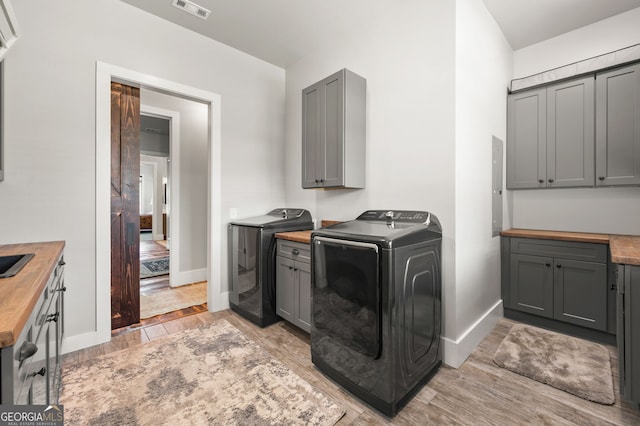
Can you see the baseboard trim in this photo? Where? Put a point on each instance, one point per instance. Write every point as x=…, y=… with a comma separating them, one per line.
x=457, y=351
x=187, y=277
x=81, y=341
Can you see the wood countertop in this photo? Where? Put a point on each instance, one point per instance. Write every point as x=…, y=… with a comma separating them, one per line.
x=624, y=248
x=581, y=237
x=297, y=236
x=19, y=294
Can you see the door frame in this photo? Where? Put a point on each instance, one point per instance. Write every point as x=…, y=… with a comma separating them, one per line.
x=217, y=299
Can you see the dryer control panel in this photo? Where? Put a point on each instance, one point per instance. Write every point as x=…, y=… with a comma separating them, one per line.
x=411, y=216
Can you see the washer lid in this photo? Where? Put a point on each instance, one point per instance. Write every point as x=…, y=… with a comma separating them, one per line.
x=278, y=218
x=386, y=227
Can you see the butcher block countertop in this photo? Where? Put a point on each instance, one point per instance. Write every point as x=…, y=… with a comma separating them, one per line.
x=297, y=236
x=19, y=294
x=624, y=248
x=303, y=236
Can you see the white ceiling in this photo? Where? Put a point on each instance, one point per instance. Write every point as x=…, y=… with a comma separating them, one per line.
x=281, y=31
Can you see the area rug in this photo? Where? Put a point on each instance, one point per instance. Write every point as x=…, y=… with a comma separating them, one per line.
x=154, y=268
x=172, y=299
x=212, y=375
x=573, y=365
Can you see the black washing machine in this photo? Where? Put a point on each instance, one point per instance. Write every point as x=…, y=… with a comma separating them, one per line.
x=252, y=257
x=376, y=321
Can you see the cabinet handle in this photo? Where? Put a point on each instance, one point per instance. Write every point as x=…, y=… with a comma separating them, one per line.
x=540, y=180
x=62, y=289
x=558, y=266
x=547, y=264
x=27, y=350
x=321, y=180
x=290, y=267
x=40, y=372
x=62, y=262
x=53, y=317
x=317, y=181
x=601, y=178
x=295, y=252
x=295, y=269
x=550, y=180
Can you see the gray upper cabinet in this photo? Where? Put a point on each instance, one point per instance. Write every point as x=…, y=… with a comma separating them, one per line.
x=618, y=126
x=550, y=136
x=334, y=132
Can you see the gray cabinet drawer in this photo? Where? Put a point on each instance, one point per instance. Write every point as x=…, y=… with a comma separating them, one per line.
x=572, y=250
x=295, y=251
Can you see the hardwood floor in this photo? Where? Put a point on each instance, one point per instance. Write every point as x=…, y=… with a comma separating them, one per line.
x=478, y=393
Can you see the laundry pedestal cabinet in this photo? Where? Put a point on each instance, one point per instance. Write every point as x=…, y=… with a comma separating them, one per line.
x=293, y=283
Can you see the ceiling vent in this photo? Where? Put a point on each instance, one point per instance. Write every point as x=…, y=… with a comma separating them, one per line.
x=192, y=8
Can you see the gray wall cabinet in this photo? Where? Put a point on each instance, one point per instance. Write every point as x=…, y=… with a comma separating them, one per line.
x=30, y=369
x=293, y=283
x=628, y=285
x=334, y=132
x=550, y=136
x=618, y=126
x=560, y=280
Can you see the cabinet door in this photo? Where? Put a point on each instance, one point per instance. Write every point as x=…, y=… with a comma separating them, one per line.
x=332, y=158
x=618, y=126
x=285, y=288
x=581, y=293
x=570, y=133
x=527, y=140
x=303, y=296
x=632, y=333
x=312, y=135
x=532, y=284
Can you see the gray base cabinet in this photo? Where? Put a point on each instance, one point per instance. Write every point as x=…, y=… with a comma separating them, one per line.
x=628, y=285
x=560, y=280
x=30, y=369
x=293, y=283
x=334, y=132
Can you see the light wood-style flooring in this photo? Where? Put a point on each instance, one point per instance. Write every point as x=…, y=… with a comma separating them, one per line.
x=478, y=393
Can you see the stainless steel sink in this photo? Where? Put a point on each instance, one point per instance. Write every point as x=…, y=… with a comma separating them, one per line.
x=11, y=265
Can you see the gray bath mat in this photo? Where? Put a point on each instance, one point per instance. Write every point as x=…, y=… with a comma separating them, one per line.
x=573, y=365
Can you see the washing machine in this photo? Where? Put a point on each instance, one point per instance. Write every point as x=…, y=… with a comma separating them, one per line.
x=376, y=304
x=251, y=260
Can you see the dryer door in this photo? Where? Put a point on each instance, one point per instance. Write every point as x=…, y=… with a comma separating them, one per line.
x=346, y=293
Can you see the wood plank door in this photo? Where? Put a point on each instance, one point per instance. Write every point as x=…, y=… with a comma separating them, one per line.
x=125, y=216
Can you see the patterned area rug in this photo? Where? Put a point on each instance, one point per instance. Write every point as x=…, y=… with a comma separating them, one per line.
x=172, y=299
x=573, y=365
x=210, y=375
x=154, y=268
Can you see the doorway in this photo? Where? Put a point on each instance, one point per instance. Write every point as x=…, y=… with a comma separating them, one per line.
x=105, y=73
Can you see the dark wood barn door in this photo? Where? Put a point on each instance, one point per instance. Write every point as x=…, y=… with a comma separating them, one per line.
x=125, y=216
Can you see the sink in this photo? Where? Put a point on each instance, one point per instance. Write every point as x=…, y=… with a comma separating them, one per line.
x=11, y=265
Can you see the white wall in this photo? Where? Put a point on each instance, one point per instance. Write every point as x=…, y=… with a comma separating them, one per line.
x=606, y=210
x=50, y=80
x=483, y=70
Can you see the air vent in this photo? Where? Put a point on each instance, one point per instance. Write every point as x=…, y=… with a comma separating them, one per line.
x=192, y=8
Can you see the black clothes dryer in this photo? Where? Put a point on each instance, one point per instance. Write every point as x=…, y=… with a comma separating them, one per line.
x=252, y=256
x=376, y=287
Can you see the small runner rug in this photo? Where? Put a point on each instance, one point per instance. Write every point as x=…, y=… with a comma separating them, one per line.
x=204, y=376
x=573, y=365
x=154, y=267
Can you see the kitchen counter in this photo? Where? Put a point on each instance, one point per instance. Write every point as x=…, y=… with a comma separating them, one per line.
x=624, y=248
x=19, y=294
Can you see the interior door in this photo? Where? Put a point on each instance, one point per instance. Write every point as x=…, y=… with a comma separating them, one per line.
x=125, y=218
